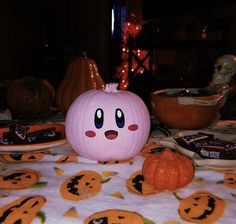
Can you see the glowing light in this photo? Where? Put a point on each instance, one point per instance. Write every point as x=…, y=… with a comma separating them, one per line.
x=112, y=21
x=131, y=28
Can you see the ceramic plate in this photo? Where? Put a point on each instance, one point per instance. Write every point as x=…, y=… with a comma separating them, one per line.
x=38, y=146
x=211, y=163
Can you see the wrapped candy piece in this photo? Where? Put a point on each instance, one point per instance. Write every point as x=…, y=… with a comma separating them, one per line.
x=18, y=133
x=216, y=149
x=189, y=141
x=6, y=139
x=43, y=135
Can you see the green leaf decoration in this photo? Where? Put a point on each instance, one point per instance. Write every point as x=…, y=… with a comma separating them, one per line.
x=41, y=216
x=105, y=180
x=147, y=221
x=220, y=182
x=39, y=184
x=177, y=196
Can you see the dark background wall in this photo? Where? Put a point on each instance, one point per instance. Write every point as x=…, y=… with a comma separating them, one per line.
x=39, y=37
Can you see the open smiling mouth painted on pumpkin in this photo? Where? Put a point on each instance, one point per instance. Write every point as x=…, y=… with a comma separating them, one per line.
x=111, y=134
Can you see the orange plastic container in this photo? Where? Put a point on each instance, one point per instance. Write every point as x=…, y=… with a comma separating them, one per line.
x=187, y=112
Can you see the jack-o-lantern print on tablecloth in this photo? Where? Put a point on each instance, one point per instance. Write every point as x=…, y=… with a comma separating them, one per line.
x=130, y=161
x=19, y=179
x=67, y=159
x=117, y=216
x=82, y=185
x=22, y=210
x=202, y=207
x=136, y=184
x=22, y=157
x=151, y=148
x=230, y=180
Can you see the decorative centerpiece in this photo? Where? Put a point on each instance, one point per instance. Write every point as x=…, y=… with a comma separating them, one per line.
x=108, y=124
x=168, y=170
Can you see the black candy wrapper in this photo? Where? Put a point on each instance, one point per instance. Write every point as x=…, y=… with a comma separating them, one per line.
x=43, y=135
x=6, y=139
x=207, y=146
x=216, y=149
x=18, y=134
x=189, y=141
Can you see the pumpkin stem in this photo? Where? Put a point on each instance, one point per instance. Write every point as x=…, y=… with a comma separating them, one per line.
x=111, y=87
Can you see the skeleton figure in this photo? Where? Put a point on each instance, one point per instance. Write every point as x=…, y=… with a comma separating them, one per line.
x=224, y=69
x=224, y=78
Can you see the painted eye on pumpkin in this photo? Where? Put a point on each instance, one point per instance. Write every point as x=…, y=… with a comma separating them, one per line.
x=99, y=118
x=120, y=118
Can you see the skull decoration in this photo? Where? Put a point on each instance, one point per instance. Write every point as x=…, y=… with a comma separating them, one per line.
x=224, y=69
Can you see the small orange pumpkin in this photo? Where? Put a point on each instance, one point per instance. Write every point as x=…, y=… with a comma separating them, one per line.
x=81, y=75
x=168, y=170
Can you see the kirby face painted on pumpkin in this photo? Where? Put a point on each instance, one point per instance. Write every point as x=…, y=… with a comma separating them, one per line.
x=107, y=124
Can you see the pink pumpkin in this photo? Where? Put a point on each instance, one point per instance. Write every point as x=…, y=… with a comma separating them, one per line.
x=106, y=125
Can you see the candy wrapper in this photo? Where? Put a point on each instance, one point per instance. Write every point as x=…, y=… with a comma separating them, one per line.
x=207, y=146
x=19, y=134
x=43, y=135
x=189, y=141
x=216, y=149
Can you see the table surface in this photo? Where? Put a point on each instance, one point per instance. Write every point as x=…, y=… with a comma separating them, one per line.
x=55, y=185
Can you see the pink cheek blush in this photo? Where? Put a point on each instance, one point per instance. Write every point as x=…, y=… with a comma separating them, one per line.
x=133, y=127
x=90, y=134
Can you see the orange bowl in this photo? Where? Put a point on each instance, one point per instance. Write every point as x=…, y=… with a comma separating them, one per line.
x=187, y=109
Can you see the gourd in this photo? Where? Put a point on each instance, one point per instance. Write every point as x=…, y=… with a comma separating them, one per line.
x=107, y=125
x=168, y=170
x=81, y=75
